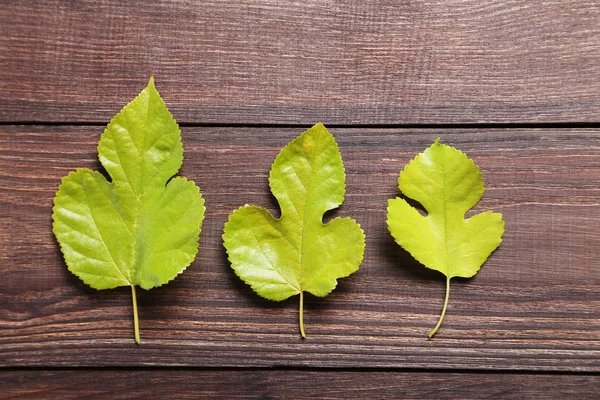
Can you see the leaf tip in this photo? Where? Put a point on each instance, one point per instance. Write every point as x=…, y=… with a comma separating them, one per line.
x=151, y=81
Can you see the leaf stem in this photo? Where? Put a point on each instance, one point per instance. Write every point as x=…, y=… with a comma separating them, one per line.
x=136, y=324
x=443, y=309
x=301, y=316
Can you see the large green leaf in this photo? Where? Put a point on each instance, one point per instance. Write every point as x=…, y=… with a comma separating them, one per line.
x=448, y=184
x=141, y=228
x=284, y=257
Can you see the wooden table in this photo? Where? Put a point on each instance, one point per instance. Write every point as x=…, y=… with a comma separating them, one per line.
x=514, y=84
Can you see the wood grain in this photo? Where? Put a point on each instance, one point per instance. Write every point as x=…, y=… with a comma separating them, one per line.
x=535, y=305
x=290, y=384
x=366, y=62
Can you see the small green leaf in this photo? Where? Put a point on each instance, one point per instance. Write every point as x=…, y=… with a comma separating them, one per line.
x=284, y=257
x=142, y=228
x=448, y=184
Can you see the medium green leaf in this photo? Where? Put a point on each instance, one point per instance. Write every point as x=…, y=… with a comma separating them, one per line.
x=284, y=257
x=448, y=184
x=141, y=228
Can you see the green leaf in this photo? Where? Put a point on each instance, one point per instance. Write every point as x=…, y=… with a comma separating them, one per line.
x=448, y=184
x=142, y=228
x=284, y=257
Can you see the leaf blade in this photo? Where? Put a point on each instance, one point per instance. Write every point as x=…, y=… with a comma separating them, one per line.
x=265, y=258
x=141, y=228
x=141, y=146
x=96, y=249
x=448, y=184
x=168, y=236
x=280, y=258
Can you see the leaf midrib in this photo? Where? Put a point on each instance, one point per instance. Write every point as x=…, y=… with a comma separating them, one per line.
x=138, y=209
x=310, y=193
x=444, y=198
x=302, y=241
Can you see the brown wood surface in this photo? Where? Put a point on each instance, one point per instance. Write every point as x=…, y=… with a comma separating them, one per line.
x=366, y=62
x=514, y=84
x=292, y=384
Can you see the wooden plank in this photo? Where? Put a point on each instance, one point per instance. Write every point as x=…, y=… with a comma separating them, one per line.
x=368, y=62
x=535, y=305
x=290, y=384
